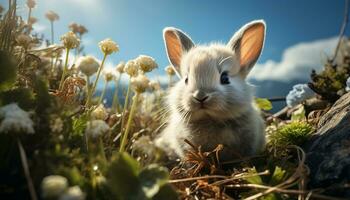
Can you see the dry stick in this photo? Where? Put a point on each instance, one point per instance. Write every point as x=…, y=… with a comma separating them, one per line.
x=342, y=30
x=26, y=170
x=286, y=191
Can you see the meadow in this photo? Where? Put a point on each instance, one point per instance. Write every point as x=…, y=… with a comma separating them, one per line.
x=59, y=140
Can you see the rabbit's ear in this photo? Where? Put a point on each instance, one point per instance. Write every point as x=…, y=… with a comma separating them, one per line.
x=176, y=43
x=248, y=43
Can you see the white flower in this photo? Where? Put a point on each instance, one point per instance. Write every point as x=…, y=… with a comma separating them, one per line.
x=73, y=193
x=70, y=40
x=88, y=65
x=139, y=83
x=170, y=70
x=99, y=113
x=14, y=119
x=52, y=16
x=109, y=74
x=31, y=3
x=300, y=93
x=120, y=67
x=154, y=85
x=347, y=85
x=56, y=125
x=146, y=63
x=95, y=128
x=132, y=68
x=108, y=46
x=53, y=186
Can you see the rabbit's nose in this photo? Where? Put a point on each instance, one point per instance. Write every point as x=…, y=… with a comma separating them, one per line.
x=200, y=96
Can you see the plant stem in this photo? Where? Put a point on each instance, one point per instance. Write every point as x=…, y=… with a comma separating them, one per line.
x=126, y=102
x=103, y=93
x=26, y=170
x=170, y=81
x=52, y=34
x=87, y=89
x=128, y=125
x=115, y=104
x=64, y=70
x=30, y=25
x=96, y=80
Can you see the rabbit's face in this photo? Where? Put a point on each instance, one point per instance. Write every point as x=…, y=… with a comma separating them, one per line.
x=212, y=84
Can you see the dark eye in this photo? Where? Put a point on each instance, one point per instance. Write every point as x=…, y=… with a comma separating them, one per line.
x=224, y=79
x=186, y=80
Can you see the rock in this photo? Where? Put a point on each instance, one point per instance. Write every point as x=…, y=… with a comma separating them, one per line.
x=328, y=152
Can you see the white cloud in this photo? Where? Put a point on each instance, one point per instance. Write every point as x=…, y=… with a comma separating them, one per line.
x=297, y=61
x=39, y=28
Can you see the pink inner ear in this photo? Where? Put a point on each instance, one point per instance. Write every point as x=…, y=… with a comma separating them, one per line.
x=251, y=44
x=174, y=48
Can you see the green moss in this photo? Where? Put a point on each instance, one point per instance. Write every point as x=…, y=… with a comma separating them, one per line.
x=295, y=133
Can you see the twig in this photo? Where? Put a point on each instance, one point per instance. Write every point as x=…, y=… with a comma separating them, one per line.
x=197, y=178
x=26, y=170
x=342, y=30
x=286, y=191
x=272, y=99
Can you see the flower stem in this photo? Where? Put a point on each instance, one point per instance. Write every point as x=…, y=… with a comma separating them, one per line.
x=52, y=33
x=103, y=93
x=64, y=69
x=88, y=89
x=128, y=125
x=96, y=81
x=170, y=81
x=26, y=170
x=115, y=104
x=126, y=102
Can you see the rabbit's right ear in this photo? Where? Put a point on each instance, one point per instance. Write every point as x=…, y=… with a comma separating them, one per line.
x=176, y=43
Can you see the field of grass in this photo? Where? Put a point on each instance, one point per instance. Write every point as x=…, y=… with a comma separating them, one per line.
x=59, y=141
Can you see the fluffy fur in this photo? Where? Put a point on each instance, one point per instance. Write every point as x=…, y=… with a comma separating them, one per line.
x=227, y=115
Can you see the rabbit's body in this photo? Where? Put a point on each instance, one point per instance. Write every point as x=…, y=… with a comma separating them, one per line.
x=212, y=104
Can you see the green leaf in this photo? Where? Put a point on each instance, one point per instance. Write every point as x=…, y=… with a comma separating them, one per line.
x=122, y=178
x=263, y=104
x=277, y=176
x=152, y=178
x=79, y=125
x=253, y=179
x=8, y=71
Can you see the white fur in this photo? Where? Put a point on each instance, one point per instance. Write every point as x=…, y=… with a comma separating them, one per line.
x=227, y=117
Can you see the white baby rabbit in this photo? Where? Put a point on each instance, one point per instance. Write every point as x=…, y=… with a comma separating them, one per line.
x=212, y=103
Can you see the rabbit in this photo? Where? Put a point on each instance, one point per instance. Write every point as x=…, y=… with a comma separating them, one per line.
x=212, y=103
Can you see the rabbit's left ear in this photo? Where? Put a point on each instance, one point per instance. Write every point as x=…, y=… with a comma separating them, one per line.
x=248, y=43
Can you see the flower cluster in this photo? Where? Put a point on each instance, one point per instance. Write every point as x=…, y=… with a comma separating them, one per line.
x=120, y=67
x=146, y=63
x=52, y=16
x=170, y=70
x=14, y=119
x=108, y=46
x=88, y=65
x=99, y=112
x=31, y=3
x=132, y=68
x=139, y=83
x=53, y=186
x=300, y=93
x=70, y=40
x=96, y=128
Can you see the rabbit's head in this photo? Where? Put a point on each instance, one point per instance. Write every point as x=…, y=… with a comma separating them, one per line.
x=212, y=84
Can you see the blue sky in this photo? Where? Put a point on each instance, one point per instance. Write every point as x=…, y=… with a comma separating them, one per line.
x=136, y=25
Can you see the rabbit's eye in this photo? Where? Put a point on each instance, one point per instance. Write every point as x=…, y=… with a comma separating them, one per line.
x=225, y=79
x=186, y=80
